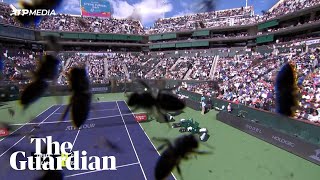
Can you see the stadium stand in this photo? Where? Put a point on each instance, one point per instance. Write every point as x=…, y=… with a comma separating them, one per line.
x=244, y=77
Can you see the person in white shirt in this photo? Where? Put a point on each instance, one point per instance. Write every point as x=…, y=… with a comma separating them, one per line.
x=314, y=117
x=229, y=108
x=203, y=107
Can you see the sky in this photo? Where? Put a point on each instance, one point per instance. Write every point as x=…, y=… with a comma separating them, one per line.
x=151, y=10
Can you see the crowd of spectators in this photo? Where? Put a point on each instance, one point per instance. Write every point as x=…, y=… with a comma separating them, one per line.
x=275, y=29
x=222, y=18
x=64, y=22
x=229, y=17
x=288, y=6
x=251, y=82
x=201, y=68
x=94, y=65
x=18, y=64
x=245, y=79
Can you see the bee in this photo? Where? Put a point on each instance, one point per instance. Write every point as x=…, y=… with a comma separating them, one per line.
x=177, y=151
x=104, y=142
x=52, y=175
x=48, y=70
x=164, y=101
x=11, y=112
x=53, y=44
x=80, y=101
x=287, y=90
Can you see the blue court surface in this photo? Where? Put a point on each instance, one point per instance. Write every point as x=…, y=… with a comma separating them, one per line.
x=135, y=157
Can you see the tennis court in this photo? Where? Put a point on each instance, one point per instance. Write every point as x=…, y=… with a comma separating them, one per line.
x=236, y=155
x=135, y=154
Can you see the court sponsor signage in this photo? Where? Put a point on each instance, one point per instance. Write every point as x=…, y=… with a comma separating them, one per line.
x=59, y=156
x=99, y=89
x=141, y=117
x=316, y=155
x=314, y=41
x=294, y=145
x=4, y=132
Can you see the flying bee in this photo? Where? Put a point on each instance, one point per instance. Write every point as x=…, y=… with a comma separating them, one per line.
x=48, y=70
x=163, y=101
x=287, y=90
x=104, y=142
x=52, y=175
x=11, y=112
x=80, y=101
x=176, y=151
x=53, y=44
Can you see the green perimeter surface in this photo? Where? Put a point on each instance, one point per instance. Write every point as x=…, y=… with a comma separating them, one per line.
x=235, y=154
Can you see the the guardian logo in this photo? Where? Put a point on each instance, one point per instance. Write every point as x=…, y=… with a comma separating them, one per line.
x=29, y=12
x=62, y=157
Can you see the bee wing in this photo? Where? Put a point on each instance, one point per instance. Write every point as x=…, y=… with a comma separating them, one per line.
x=33, y=92
x=133, y=98
x=52, y=174
x=53, y=44
x=81, y=104
x=54, y=91
x=65, y=113
x=143, y=83
x=170, y=102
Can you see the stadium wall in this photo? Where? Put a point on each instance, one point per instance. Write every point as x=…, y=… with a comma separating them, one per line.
x=308, y=151
x=293, y=127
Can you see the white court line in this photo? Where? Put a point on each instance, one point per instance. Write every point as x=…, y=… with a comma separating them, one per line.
x=30, y=131
x=26, y=123
x=75, y=139
x=90, y=119
x=100, y=170
x=149, y=139
x=91, y=103
x=132, y=142
x=96, y=110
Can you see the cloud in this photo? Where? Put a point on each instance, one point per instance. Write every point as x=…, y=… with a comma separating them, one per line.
x=148, y=10
x=121, y=9
x=187, y=8
x=70, y=6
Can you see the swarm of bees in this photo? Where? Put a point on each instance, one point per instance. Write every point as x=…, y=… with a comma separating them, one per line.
x=163, y=102
x=80, y=101
x=175, y=152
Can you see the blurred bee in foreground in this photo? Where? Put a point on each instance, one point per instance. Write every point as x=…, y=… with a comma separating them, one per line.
x=48, y=70
x=11, y=112
x=52, y=175
x=164, y=101
x=171, y=157
x=80, y=101
x=287, y=90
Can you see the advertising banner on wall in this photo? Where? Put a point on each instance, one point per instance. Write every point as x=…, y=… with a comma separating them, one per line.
x=294, y=145
x=96, y=8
